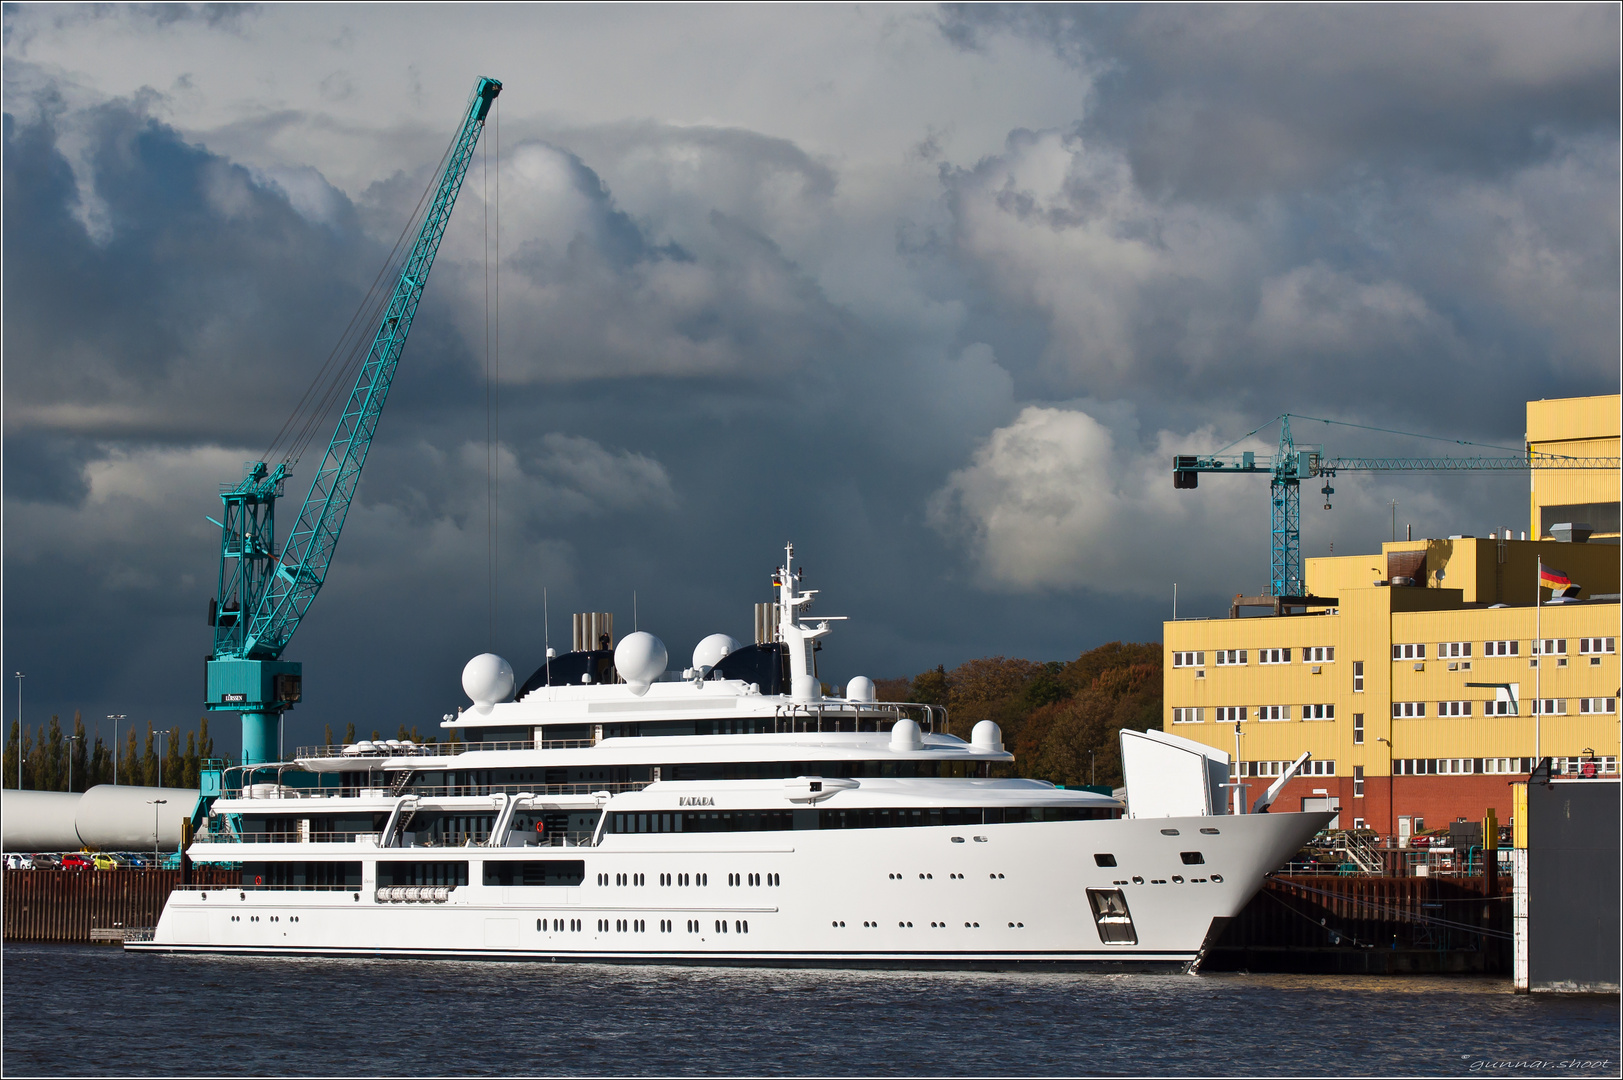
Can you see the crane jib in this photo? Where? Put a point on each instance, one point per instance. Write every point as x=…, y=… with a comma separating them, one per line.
x=258, y=610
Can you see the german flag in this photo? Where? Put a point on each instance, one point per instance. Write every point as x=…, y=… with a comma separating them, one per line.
x=1557, y=582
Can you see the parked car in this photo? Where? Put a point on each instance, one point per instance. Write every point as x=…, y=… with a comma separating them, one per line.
x=45, y=860
x=16, y=860
x=104, y=861
x=75, y=860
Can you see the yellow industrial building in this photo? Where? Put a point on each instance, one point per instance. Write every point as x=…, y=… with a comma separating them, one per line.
x=1428, y=677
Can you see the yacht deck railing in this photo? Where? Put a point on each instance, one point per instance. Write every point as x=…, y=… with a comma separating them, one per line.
x=437, y=791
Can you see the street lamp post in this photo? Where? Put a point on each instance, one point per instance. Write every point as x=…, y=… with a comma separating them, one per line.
x=20, y=678
x=115, y=718
x=162, y=735
x=155, y=803
x=1391, y=782
x=71, y=740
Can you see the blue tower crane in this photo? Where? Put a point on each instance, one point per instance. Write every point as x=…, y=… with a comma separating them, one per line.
x=1294, y=462
x=264, y=593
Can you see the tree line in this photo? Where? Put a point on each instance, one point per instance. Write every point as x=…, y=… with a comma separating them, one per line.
x=1061, y=721
x=50, y=756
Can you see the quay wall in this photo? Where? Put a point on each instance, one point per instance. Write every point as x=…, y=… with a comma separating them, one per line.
x=1360, y=924
x=68, y=905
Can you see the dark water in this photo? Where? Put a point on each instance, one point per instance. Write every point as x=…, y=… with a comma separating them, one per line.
x=98, y=1010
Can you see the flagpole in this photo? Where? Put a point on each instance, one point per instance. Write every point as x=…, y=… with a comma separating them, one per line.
x=1538, y=651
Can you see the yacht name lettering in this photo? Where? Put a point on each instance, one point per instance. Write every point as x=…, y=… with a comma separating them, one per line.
x=695, y=800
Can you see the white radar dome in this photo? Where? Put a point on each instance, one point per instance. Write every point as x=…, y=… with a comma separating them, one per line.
x=640, y=658
x=860, y=689
x=906, y=735
x=487, y=679
x=713, y=650
x=986, y=735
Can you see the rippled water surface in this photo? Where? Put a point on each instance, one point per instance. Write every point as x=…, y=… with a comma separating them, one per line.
x=99, y=1010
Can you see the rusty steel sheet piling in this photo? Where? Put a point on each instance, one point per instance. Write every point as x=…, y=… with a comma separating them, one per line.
x=72, y=905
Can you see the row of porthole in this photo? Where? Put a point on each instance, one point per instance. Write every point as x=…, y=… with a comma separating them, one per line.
x=273, y=918
x=1177, y=879
x=931, y=877
x=754, y=879
x=904, y=925
x=684, y=879
x=559, y=925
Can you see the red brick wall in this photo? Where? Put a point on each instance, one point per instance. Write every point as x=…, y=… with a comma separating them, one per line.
x=1438, y=799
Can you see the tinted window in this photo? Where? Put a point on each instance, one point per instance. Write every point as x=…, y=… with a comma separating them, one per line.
x=539, y=872
x=1104, y=860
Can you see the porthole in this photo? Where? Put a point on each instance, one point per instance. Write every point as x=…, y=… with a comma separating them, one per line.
x=1210, y=832
x=1169, y=832
x=1177, y=879
x=958, y=839
x=1217, y=878
x=1138, y=880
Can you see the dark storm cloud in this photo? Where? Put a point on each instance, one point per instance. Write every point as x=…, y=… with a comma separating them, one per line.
x=152, y=283
x=1234, y=101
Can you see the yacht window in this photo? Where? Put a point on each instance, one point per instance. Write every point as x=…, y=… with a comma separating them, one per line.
x=1191, y=858
x=422, y=873
x=548, y=872
x=1104, y=860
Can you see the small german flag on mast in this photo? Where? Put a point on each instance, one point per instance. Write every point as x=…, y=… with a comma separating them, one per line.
x=1557, y=582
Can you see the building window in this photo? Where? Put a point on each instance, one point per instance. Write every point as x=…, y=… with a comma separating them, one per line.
x=1315, y=767
x=1318, y=654
x=1597, y=705
x=1188, y=659
x=1358, y=781
x=1231, y=714
x=1318, y=712
x=1453, y=708
x=1273, y=656
x=1498, y=708
x=1597, y=645
x=1406, y=709
x=1584, y=766
x=1231, y=657
x=1358, y=823
x=1549, y=706
x=1550, y=647
x=1186, y=716
x=1273, y=712
x=1453, y=650
x=1409, y=652
x=1358, y=729
x=1454, y=766
x=1358, y=676
x=1504, y=765
x=1501, y=648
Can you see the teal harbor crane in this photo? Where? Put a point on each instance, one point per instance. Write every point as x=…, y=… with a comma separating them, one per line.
x=1294, y=462
x=264, y=593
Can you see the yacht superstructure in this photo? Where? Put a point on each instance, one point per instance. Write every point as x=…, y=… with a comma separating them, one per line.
x=730, y=813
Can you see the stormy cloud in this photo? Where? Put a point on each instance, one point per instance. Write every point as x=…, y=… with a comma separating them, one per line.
x=934, y=292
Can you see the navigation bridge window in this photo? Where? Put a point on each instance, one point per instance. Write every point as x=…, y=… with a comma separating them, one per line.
x=1111, y=916
x=568, y=872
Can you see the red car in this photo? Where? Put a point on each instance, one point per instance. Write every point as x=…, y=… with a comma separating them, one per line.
x=73, y=860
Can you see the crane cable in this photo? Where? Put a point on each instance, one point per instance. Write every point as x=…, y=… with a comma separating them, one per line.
x=337, y=372
x=1366, y=427
x=492, y=371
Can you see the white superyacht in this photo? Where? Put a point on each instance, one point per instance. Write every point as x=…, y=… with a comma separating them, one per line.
x=729, y=813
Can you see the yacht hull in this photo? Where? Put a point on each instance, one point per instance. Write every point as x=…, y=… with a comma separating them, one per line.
x=986, y=896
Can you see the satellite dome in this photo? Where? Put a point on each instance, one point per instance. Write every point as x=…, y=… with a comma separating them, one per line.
x=487, y=679
x=640, y=658
x=860, y=689
x=905, y=735
x=986, y=735
x=712, y=650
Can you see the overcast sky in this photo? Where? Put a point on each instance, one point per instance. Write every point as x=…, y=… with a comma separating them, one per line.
x=933, y=292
